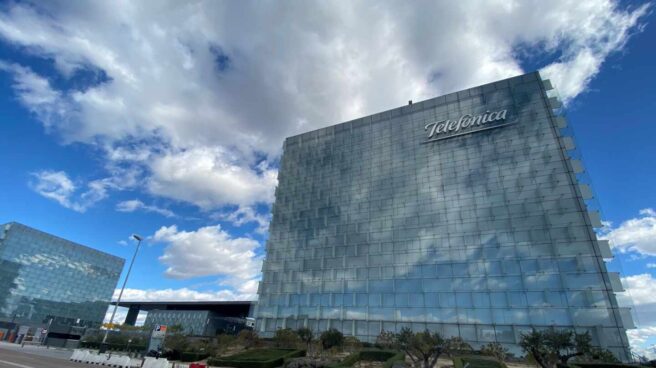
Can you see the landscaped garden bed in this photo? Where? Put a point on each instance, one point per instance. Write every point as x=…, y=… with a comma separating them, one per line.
x=256, y=358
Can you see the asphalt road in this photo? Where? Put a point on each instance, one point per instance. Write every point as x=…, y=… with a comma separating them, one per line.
x=13, y=358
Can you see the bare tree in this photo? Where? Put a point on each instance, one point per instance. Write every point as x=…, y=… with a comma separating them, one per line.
x=423, y=348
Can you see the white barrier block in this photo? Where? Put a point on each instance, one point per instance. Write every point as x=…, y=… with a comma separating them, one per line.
x=100, y=358
x=151, y=362
x=88, y=357
x=119, y=361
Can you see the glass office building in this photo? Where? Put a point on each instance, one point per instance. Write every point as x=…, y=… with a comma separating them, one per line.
x=43, y=277
x=462, y=214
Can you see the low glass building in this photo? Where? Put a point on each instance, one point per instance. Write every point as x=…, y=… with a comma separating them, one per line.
x=196, y=322
x=462, y=214
x=46, y=280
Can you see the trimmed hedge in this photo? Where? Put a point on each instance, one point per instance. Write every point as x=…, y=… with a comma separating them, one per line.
x=112, y=347
x=257, y=358
x=477, y=362
x=375, y=355
x=604, y=365
x=398, y=357
x=190, y=356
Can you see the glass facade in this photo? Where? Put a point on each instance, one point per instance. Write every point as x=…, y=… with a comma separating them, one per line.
x=193, y=322
x=196, y=322
x=483, y=235
x=44, y=277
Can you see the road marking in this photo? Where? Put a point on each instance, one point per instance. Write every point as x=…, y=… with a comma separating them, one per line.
x=16, y=364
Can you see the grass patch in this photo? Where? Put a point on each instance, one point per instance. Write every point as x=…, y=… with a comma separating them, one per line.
x=256, y=358
x=477, y=362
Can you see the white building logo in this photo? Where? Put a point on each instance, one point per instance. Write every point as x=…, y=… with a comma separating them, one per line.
x=466, y=124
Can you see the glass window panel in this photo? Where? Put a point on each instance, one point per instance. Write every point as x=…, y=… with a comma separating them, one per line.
x=481, y=300
x=464, y=300
x=401, y=299
x=447, y=300
x=375, y=300
x=381, y=286
x=361, y=300
x=486, y=333
x=517, y=299
x=498, y=299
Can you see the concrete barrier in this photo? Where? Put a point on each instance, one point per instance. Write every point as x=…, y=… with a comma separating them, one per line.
x=100, y=358
x=121, y=361
x=77, y=354
x=150, y=362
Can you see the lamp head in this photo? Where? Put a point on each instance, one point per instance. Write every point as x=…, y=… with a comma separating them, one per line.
x=137, y=237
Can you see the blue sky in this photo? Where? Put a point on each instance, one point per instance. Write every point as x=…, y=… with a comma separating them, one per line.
x=167, y=119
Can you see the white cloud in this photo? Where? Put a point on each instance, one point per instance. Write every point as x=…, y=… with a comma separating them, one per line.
x=244, y=215
x=211, y=177
x=639, y=296
x=210, y=251
x=651, y=265
x=136, y=205
x=189, y=82
x=639, y=341
x=121, y=314
x=56, y=185
x=182, y=294
x=36, y=94
x=641, y=290
x=602, y=32
x=634, y=235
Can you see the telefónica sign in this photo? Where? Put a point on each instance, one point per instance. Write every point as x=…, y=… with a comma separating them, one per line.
x=464, y=125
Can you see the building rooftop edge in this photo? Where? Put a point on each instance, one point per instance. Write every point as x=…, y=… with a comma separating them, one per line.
x=14, y=223
x=418, y=104
x=125, y=302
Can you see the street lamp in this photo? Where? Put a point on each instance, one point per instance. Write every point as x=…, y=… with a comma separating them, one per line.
x=103, y=346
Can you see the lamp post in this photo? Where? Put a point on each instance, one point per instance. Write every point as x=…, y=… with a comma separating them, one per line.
x=103, y=345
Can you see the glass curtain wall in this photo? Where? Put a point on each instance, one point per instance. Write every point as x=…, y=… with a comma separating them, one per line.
x=43, y=277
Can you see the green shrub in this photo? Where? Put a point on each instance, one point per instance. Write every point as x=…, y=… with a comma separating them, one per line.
x=258, y=358
x=398, y=357
x=495, y=349
x=286, y=338
x=331, y=338
x=385, y=340
x=248, y=338
x=477, y=362
x=112, y=347
x=351, y=343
